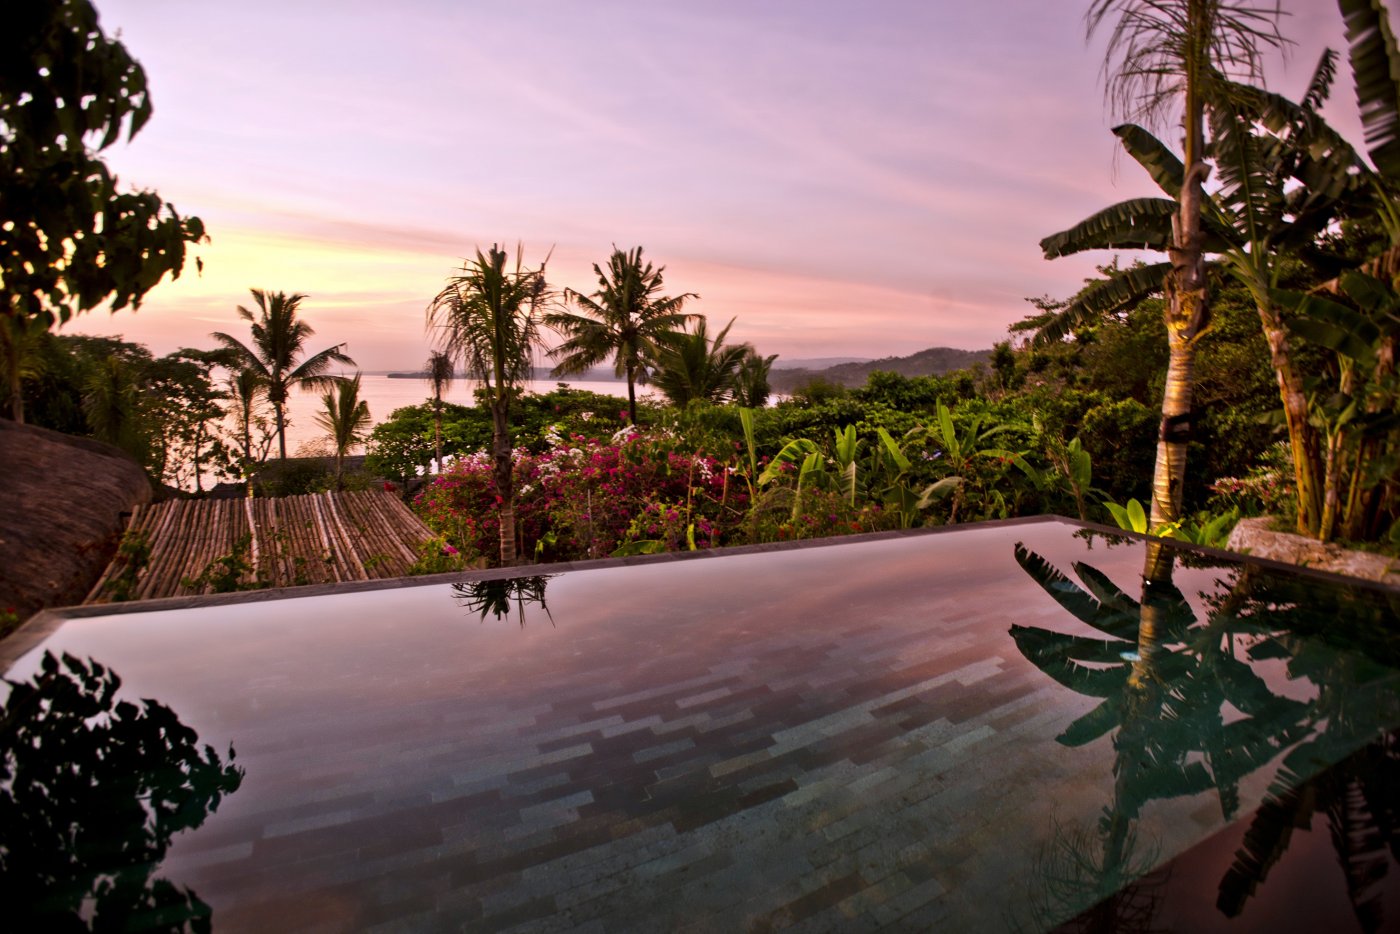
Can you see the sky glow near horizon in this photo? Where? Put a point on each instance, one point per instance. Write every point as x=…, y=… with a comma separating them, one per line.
x=845, y=180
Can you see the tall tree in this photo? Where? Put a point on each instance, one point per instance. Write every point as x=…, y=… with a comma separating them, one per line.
x=69, y=239
x=21, y=358
x=488, y=317
x=627, y=319
x=344, y=416
x=1162, y=57
x=751, y=386
x=279, y=339
x=440, y=374
x=1284, y=176
x=247, y=392
x=692, y=366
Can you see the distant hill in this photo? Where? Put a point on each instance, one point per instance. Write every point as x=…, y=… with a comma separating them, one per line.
x=932, y=362
x=813, y=363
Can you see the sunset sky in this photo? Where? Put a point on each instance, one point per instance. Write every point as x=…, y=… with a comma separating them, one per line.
x=854, y=179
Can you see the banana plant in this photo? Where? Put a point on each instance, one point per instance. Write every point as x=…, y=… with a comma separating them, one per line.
x=961, y=451
x=1358, y=417
x=1284, y=175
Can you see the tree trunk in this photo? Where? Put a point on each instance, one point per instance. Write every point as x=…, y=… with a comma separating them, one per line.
x=632, y=394
x=281, y=430
x=1187, y=313
x=504, y=478
x=1169, y=476
x=1302, y=437
x=437, y=434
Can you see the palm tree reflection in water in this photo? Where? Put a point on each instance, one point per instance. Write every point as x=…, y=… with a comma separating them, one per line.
x=1190, y=712
x=497, y=596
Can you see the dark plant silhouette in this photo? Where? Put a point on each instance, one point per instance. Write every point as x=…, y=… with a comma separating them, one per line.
x=1189, y=712
x=496, y=596
x=92, y=790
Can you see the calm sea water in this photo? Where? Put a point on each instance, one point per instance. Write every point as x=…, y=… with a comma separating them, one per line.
x=384, y=395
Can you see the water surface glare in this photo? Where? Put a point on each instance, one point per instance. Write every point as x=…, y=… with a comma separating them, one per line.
x=913, y=731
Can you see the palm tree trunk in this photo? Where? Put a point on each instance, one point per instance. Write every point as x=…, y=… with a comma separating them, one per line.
x=437, y=434
x=505, y=487
x=281, y=430
x=1302, y=437
x=1187, y=312
x=632, y=394
x=1169, y=475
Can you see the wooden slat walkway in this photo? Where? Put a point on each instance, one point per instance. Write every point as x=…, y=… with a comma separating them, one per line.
x=313, y=539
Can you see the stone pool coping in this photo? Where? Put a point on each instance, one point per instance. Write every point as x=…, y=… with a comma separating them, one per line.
x=44, y=623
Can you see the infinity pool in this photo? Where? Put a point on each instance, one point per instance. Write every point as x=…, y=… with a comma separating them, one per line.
x=985, y=728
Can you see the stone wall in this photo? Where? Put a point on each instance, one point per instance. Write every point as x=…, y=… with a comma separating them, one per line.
x=1255, y=538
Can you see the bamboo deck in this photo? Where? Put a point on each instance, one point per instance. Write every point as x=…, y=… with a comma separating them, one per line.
x=314, y=539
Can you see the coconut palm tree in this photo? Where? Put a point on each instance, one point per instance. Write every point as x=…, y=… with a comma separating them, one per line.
x=246, y=390
x=691, y=366
x=487, y=315
x=279, y=339
x=1164, y=56
x=440, y=373
x=1284, y=176
x=345, y=418
x=21, y=357
x=626, y=319
x=751, y=386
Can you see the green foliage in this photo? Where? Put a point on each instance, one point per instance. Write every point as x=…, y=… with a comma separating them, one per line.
x=229, y=573
x=295, y=476
x=438, y=556
x=132, y=557
x=692, y=366
x=70, y=239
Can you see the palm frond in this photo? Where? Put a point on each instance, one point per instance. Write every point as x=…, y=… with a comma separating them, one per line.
x=1136, y=224
x=1375, y=64
x=1104, y=298
x=1154, y=156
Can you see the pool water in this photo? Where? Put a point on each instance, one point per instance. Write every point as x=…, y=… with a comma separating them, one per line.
x=988, y=728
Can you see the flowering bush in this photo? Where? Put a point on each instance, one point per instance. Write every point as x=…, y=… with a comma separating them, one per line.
x=1267, y=489
x=583, y=498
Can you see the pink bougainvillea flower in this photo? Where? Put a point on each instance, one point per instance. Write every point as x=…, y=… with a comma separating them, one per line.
x=449, y=551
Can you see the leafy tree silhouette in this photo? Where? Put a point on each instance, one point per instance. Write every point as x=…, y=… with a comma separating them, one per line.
x=92, y=789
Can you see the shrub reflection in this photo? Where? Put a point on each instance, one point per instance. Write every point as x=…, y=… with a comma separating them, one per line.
x=92, y=790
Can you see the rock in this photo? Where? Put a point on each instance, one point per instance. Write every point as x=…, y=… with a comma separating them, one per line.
x=1254, y=537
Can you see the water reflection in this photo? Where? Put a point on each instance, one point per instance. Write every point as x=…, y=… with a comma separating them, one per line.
x=92, y=789
x=1194, y=705
x=497, y=596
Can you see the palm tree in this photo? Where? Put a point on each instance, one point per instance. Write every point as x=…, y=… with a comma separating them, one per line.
x=1258, y=212
x=626, y=319
x=246, y=389
x=692, y=366
x=112, y=406
x=345, y=418
x=279, y=339
x=1163, y=54
x=440, y=373
x=21, y=357
x=486, y=315
x=751, y=386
